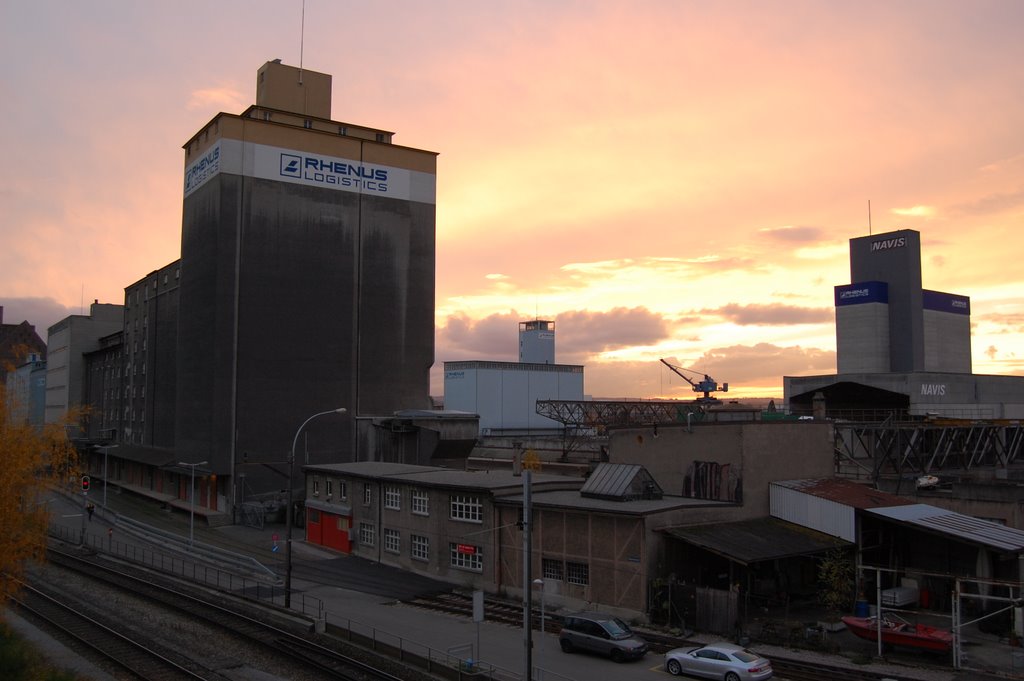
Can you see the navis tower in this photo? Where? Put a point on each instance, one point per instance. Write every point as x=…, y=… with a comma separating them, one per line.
x=307, y=259
x=902, y=352
x=885, y=321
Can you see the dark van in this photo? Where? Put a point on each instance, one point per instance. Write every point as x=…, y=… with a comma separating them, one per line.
x=596, y=632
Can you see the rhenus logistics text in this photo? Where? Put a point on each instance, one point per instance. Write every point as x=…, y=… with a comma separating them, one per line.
x=344, y=174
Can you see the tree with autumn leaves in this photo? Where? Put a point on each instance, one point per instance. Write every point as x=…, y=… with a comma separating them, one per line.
x=32, y=461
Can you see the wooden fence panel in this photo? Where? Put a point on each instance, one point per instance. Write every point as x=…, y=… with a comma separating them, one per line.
x=717, y=611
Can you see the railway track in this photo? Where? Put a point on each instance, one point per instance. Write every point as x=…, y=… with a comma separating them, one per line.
x=287, y=636
x=131, y=653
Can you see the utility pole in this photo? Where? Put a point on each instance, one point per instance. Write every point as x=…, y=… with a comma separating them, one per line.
x=527, y=577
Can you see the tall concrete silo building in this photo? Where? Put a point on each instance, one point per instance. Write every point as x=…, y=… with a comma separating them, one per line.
x=307, y=280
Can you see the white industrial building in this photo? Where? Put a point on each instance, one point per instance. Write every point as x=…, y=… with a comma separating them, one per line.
x=505, y=394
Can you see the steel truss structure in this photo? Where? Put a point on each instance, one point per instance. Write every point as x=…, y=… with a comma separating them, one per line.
x=922, y=448
x=597, y=414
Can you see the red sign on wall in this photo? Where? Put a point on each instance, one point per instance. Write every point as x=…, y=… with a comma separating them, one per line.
x=466, y=548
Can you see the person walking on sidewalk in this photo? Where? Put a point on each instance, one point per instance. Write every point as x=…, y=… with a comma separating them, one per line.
x=89, y=508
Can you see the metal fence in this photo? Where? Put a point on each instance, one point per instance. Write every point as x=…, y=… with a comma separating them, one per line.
x=451, y=664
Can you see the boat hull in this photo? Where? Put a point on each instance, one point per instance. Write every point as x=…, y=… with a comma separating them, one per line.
x=899, y=633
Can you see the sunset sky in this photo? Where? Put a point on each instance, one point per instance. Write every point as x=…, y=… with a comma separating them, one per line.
x=663, y=179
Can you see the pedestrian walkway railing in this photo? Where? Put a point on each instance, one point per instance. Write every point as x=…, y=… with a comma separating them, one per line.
x=186, y=566
x=215, y=555
x=457, y=663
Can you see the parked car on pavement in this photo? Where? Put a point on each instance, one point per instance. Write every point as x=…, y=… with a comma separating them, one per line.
x=725, y=661
x=600, y=633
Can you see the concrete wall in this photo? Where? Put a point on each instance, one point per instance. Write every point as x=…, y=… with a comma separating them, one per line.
x=862, y=338
x=947, y=342
x=67, y=341
x=505, y=394
x=748, y=457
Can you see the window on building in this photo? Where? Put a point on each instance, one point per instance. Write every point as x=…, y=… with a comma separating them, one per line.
x=466, y=557
x=329, y=487
x=466, y=508
x=552, y=569
x=367, y=534
x=313, y=515
x=420, y=502
x=367, y=494
x=419, y=547
x=316, y=487
x=342, y=490
x=392, y=541
x=577, y=573
x=392, y=497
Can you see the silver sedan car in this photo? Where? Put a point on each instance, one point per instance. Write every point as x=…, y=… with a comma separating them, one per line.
x=725, y=661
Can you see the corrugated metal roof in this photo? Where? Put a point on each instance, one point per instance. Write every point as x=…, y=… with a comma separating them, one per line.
x=752, y=541
x=495, y=480
x=610, y=480
x=965, y=527
x=840, y=490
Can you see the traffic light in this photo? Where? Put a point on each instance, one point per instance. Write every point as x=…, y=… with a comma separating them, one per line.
x=85, y=483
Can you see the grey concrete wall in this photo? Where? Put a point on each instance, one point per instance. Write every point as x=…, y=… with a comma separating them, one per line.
x=862, y=338
x=323, y=298
x=947, y=342
x=755, y=453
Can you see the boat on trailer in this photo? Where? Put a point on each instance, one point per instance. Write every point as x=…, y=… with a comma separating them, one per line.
x=896, y=631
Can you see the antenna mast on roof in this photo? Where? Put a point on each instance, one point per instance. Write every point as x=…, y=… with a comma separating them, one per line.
x=869, y=217
x=302, y=38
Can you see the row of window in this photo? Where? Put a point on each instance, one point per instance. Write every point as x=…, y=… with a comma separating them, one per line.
x=460, y=556
x=567, y=571
x=461, y=507
x=145, y=290
x=468, y=556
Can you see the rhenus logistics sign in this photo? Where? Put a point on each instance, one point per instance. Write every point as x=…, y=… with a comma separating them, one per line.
x=322, y=170
x=314, y=170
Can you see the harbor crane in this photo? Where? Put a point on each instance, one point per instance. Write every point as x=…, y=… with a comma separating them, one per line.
x=707, y=385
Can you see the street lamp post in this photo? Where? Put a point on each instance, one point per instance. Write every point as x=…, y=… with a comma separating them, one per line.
x=192, y=498
x=540, y=582
x=288, y=511
x=106, y=451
